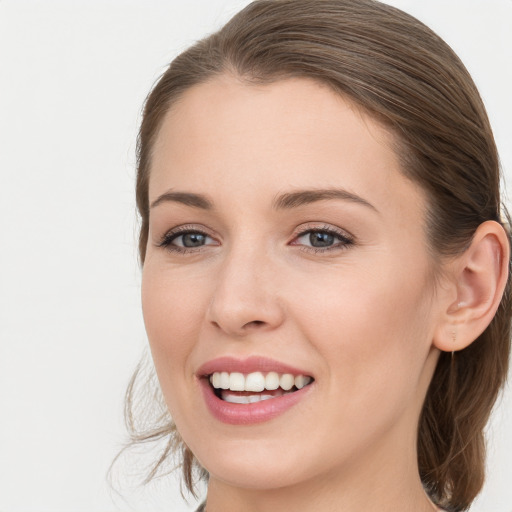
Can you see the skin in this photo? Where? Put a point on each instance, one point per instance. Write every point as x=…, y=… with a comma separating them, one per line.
x=360, y=317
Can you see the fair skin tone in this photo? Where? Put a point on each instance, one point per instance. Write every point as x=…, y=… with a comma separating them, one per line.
x=338, y=284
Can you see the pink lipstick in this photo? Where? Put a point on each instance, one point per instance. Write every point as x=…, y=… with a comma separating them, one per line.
x=253, y=390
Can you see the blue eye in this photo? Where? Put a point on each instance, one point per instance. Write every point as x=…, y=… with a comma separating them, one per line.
x=190, y=240
x=182, y=241
x=322, y=239
x=317, y=240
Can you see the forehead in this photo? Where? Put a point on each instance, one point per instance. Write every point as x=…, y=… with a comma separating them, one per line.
x=229, y=136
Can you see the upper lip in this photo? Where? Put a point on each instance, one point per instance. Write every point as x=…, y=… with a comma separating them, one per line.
x=248, y=365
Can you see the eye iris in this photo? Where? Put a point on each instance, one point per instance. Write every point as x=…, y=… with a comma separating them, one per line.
x=193, y=239
x=321, y=239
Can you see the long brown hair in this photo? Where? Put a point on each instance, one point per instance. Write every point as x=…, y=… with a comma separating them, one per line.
x=400, y=72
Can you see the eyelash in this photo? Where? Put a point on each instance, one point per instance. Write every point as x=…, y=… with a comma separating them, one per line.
x=170, y=236
x=344, y=239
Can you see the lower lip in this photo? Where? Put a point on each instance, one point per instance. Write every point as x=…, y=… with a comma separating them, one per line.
x=248, y=414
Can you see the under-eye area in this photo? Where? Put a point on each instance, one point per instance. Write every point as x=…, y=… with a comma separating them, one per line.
x=239, y=388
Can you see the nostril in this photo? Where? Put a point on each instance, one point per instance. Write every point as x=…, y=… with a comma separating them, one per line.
x=254, y=323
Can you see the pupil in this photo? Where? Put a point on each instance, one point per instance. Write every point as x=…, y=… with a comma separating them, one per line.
x=320, y=239
x=193, y=239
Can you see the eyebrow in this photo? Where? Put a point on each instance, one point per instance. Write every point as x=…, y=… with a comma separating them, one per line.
x=305, y=197
x=285, y=201
x=186, y=198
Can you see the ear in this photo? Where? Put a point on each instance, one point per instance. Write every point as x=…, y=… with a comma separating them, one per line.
x=477, y=279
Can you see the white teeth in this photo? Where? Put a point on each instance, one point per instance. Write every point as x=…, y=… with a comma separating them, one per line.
x=236, y=381
x=259, y=398
x=272, y=381
x=301, y=381
x=235, y=399
x=257, y=382
x=216, y=380
x=287, y=381
x=248, y=399
x=224, y=380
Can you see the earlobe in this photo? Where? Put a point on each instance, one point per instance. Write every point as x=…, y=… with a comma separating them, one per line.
x=479, y=278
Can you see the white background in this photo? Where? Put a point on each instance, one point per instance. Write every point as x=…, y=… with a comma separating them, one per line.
x=73, y=77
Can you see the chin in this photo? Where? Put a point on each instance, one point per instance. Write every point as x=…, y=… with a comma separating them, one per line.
x=264, y=464
x=250, y=473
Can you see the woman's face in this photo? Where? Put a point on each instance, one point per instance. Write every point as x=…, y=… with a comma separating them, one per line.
x=284, y=240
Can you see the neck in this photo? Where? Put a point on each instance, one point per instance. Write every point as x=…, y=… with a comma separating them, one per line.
x=311, y=498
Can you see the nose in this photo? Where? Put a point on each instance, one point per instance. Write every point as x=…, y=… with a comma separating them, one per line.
x=245, y=299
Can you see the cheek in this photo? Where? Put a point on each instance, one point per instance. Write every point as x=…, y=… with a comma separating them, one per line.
x=375, y=328
x=373, y=343
x=172, y=315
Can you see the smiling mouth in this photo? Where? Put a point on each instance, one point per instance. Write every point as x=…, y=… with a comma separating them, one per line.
x=239, y=388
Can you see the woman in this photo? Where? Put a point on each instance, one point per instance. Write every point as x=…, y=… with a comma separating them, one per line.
x=325, y=263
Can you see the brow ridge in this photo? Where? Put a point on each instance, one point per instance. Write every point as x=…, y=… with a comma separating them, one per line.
x=285, y=201
x=304, y=197
x=186, y=198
